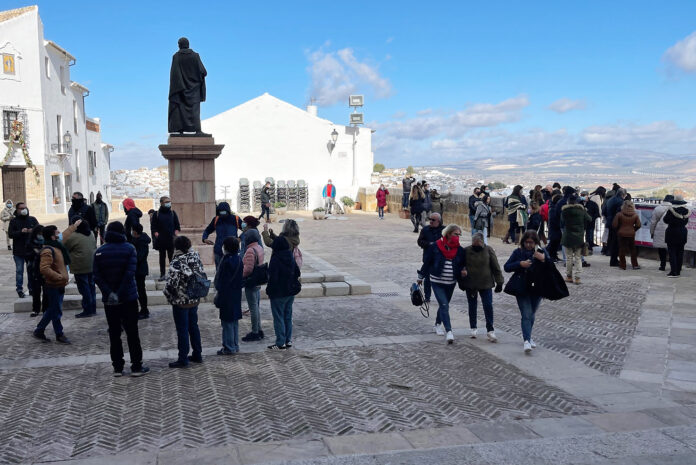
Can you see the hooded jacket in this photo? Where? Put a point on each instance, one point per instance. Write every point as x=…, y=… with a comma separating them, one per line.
x=223, y=225
x=19, y=222
x=677, y=217
x=657, y=226
x=627, y=221
x=228, y=285
x=181, y=270
x=133, y=215
x=482, y=213
x=574, y=219
x=283, y=269
x=483, y=269
x=269, y=238
x=381, y=196
x=114, y=268
x=428, y=236
x=142, y=250
x=85, y=211
x=81, y=245
x=165, y=222
x=6, y=215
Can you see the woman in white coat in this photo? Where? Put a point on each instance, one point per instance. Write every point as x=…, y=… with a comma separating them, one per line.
x=658, y=228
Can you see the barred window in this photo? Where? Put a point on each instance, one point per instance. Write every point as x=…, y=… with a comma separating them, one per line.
x=8, y=117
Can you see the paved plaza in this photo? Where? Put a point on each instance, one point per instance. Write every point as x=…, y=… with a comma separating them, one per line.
x=613, y=380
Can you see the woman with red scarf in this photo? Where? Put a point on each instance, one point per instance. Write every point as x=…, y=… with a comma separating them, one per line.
x=443, y=262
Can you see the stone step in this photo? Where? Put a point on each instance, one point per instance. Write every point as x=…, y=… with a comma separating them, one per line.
x=71, y=289
x=156, y=297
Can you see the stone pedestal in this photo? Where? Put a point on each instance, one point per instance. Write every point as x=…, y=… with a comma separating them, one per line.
x=192, y=185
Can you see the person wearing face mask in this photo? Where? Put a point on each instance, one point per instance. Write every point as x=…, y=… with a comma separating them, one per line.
x=381, y=196
x=444, y=262
x=19, y=229
x=33, y=258
x=81, y=245
x=6, y=215
x=483, y=274
x=79, y=207
x=133, y=215
x=164, y=225
x=101, y=211
x=252, y=256
x=593, y=210
x=250, y=233
x=53, y=267
x=224, y=225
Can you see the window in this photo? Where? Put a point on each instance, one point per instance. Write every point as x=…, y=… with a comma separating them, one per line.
x=62, y=80
x=47, y=67
x=8, y=117
x=59, y=128
x=77, y=165
x=68, y=187
x=74, y=107
x=55, y=188
x=92, y=160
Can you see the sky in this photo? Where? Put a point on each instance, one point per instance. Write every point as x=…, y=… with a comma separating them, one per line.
x=443, y=81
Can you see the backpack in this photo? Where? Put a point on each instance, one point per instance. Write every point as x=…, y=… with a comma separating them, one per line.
x=197, y=286
x=259, y=274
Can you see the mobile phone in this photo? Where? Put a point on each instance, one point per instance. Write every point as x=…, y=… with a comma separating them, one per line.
x=539, y=249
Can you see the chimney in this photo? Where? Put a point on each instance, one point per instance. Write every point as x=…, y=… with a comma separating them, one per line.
x=312, y=110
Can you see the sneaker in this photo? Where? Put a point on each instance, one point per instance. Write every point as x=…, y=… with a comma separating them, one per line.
x=143, y=370
x=161, y=278
x=585, y=264
x=491, y=336
x=178, y=364
x=9, y=247
x=21, y=294
x=62, y=339
x=532, y=343
x=670, y=275
x=637, y=267
x=250, y=337
x=40, y=336
x=118, y=373
x=577, y=281
x=261, y=335
x=473, y=332
x=144, y=314
x=288, y=344
x=527, y=347
x=224, y=351
x=85, y=314
x=275, y=347
x=662, y=268
x=193, y=359
x=33, y=314
x=450, y=337
x=569, y=279
x=439, y=330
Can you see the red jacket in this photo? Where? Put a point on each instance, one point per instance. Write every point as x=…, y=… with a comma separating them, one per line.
x=382, y=197
x=544, y=211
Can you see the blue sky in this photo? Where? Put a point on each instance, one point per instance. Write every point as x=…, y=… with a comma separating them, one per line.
x=444, y=81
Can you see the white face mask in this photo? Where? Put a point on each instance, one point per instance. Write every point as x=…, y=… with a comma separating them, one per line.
x=24, y=212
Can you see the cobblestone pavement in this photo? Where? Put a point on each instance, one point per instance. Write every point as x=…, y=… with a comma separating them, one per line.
x=82, y=411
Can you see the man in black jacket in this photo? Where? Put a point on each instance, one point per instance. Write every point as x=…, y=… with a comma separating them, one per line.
x=473, y=198
x=592, y=210
x=85, y=211
x=19, y=231
x=428, y=236
x=141, y=241
x=165, y=226
x=613, y=208
x=406, y=184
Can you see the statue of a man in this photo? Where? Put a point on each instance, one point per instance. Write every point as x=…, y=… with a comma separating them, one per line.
x=186, y=90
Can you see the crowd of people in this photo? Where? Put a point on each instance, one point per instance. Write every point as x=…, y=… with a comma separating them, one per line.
x=563, y=219
x=119, y=268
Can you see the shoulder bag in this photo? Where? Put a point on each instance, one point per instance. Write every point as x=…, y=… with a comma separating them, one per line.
x=259, y=275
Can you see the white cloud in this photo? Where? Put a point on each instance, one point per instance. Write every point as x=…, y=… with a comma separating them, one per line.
x=683, y=53
x=337, y=74
x=659, y=135
x=132, y=155
x=564, y=105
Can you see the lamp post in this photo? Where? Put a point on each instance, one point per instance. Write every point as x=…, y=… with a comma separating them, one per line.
x=67, y=141
x=356, y=119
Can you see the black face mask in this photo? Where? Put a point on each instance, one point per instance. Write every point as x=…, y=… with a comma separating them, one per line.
x=477, y=248
x=77, y=202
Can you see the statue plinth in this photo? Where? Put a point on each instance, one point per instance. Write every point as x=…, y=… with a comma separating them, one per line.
x=192, y=184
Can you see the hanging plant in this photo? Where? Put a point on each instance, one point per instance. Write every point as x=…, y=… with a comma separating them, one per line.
x=17, y=137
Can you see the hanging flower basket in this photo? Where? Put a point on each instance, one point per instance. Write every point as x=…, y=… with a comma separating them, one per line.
x=17, y=137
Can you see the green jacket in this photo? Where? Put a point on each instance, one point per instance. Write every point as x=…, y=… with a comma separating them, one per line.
x=573, y=221
x=81, y=249
x=482, y=269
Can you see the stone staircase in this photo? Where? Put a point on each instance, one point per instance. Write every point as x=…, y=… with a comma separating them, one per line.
x=314, y=284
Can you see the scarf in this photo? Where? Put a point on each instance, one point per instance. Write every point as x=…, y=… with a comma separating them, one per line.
x=448, y=247
x=59, y=245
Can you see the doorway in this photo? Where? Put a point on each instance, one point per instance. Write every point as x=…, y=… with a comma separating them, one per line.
x=13, y=185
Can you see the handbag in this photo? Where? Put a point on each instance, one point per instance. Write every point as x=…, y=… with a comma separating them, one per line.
x=517, y=285
x=546, y=281
x=259, y=275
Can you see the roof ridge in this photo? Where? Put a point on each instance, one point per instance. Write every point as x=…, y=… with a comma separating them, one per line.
x=9, y=14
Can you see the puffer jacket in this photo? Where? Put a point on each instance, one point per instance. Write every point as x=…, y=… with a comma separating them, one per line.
x=574, y=218
x=114, y=268
x=283, y=275
x=657, y=226
x=133, y=216
x=223, y=226
x=627, y=221
x=181, y=270
x=677, y=217
x=252, y=257
x=52, y=267
x=483, y=269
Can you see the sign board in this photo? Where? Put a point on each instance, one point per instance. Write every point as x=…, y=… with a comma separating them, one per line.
x=643, y=238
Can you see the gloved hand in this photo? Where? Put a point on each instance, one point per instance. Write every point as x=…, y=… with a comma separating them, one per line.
x=499, y=287
x=112, y=299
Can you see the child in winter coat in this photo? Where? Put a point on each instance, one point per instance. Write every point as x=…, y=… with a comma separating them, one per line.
x=142, y=249
x=228, y=284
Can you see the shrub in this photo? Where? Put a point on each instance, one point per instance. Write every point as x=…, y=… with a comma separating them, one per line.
x=347, y=201
x=279, y=204
x=319, y=209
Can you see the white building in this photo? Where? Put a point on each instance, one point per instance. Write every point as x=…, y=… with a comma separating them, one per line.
x=267, y=137
x=62, y=142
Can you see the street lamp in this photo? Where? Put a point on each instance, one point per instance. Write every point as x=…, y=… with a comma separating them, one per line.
x=67, y=139
x=334, y=136
x=356, y=119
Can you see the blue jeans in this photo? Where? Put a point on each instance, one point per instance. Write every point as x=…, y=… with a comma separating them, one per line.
x=486, y=303
x=230, y=335
x=471, y=221
x=483, y=231
x=404, y=200
x=85, y=286
x=19, y=274
x=528, y=305
x=253, y=297
x=427, y=288
x=443, y=294
x=380, y=212
x=54, y=310
x=281, y=307
x=186, y=322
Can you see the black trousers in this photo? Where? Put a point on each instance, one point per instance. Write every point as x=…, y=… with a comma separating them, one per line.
x=100, y=233
x=663, y=257
x=142, y=293
x=124, y=316
x=163, y=254
x=265, y=211
x=38, y=305
x=613, y=248
x=552, y=248
x=676, y=258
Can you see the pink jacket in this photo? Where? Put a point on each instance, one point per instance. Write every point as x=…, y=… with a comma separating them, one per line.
x=250, y=258
x=382, y=197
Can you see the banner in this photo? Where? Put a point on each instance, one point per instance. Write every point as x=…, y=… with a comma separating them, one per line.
x=645, y=211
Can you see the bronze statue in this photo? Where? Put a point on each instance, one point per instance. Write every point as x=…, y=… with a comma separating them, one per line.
x=186, y=90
